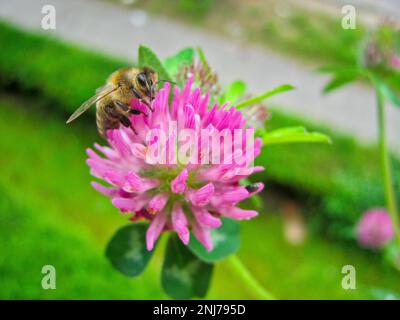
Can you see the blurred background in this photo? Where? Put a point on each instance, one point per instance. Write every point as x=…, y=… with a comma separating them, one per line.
x=314, y=195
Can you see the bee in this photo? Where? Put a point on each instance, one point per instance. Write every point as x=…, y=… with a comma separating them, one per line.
x=113, y=99
x=252, y=187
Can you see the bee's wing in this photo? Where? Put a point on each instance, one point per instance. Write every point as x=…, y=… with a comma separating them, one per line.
x=100, y=94
x=104, y=88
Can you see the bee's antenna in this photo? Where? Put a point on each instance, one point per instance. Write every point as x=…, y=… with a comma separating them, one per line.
x=166, y=81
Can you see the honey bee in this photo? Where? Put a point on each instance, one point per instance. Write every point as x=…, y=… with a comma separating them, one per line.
x=113, y=99
x=253, y=187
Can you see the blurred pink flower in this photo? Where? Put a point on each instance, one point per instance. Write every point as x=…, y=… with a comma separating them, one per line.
x=395, y=61
x=204, y=76
x=381, y=50
x=175, y=195
x=256, y=115
x=375, y=228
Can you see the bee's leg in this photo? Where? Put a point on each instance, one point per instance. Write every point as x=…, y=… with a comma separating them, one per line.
x=113, y=111
x=126, y=108
x=120, y=105
x=136, y=112
x=127, y=123
x=140, y=97
x=147, y=104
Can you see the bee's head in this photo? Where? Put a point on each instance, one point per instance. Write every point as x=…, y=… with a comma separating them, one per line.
x=146, y=83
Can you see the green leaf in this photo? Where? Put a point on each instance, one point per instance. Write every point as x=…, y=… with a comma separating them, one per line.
x=265, y=95
x=340, y=76
x=389, y=94
x=233, y=92
x=339, y=81
x=147, y=58
x=203, y=60
x=202, y=56
x=173, y=63
x=226, y=240
x=386, y=91
x=338, y=69
x=183, y=275
x=330, y=69
x=127, y=250
x=293, y=135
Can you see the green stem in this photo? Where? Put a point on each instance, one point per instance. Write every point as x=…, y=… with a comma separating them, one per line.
x=386, y=169
x=248, y=280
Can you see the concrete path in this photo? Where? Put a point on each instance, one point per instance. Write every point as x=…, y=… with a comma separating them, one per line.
x=116, y=30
